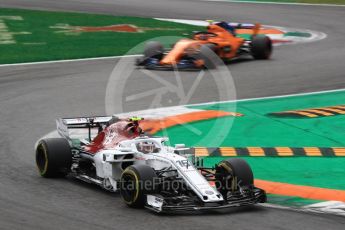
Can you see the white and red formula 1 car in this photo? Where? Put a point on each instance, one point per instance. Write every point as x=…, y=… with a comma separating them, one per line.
x=114, y=154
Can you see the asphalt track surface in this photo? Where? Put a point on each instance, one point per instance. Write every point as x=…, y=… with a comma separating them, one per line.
x=33, y=96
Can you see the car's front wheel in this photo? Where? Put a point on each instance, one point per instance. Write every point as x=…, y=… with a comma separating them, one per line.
x=208, y=56
x=152, y=50
x=232, y=175
x=136, y=182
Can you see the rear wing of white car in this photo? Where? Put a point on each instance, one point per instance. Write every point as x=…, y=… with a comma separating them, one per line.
x=64, y=125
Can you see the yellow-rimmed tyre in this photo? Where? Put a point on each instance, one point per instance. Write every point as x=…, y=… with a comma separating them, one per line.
x=233, y=173
x=53, y=157
x=136, y=182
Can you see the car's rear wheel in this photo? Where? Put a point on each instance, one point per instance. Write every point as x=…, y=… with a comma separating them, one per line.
x=136, y=182
x=261, y=47
x=53, y=157
x=233, y=174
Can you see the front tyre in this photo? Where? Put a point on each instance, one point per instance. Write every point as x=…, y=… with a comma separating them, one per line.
x=136, y=182
x=153, y=49
x=232, y=175
x=261, y=47
x=208, y=56
x=53, y=157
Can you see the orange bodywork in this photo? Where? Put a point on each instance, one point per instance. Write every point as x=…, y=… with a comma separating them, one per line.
x=226, y=43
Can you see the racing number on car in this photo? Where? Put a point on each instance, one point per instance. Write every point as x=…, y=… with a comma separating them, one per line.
x=184, y=163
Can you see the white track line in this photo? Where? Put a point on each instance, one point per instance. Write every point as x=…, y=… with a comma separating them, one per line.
x=269, y=97
x=277, y=3
x=304, y=209
x=332, y=207
x=68, y=60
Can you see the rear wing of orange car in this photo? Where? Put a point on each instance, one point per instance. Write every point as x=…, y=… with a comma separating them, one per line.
x=256, y=29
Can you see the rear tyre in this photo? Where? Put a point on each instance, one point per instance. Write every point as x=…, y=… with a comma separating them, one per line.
x=153, y=49
x=53, y=157
x=261, y=47
x=231, y=174
x=136, y=182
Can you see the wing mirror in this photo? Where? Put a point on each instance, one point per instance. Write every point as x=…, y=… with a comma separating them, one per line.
x=180, y=146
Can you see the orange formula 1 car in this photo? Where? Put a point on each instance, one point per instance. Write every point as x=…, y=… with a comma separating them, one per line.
x=199, y=52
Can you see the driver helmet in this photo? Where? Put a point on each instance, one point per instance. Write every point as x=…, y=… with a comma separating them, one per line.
x=227, y=27
x=203, y=37
x=147, y=147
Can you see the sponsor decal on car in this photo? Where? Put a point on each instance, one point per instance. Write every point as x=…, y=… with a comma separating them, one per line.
x=155, y=201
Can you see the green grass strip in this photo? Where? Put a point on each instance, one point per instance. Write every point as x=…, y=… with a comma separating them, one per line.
x=39, y=35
